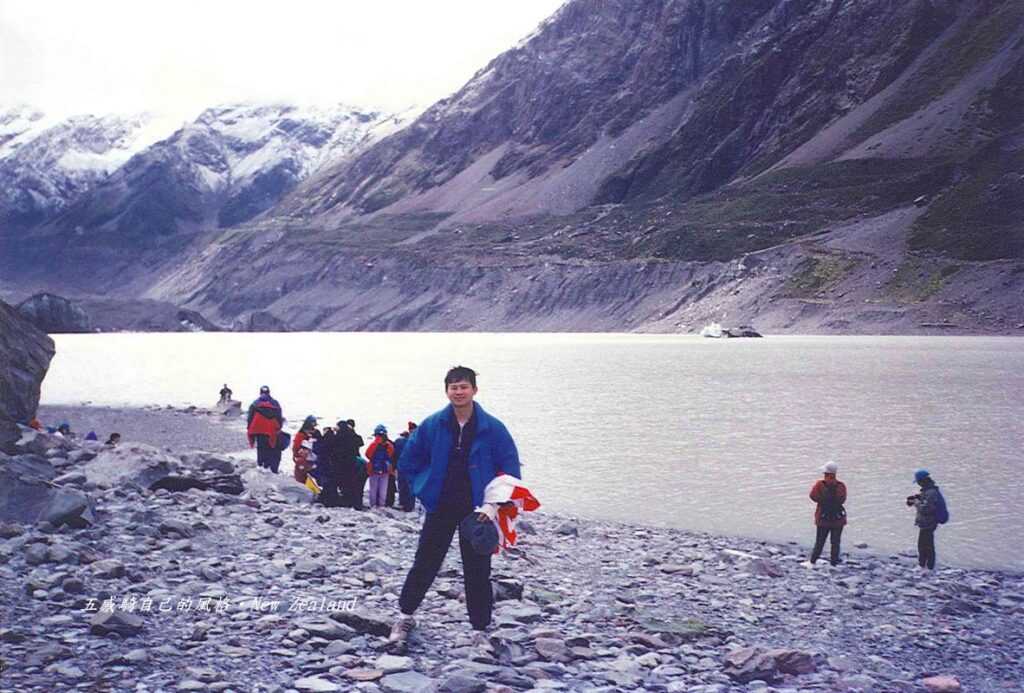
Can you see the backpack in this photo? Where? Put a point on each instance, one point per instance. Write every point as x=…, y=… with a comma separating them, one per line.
x=941, y=511
x=283, y=440
x=831, y=508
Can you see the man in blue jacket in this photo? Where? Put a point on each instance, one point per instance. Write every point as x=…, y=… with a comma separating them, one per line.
x=450, y=458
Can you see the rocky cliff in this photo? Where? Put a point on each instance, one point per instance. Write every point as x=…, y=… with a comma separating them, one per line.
x=25, y=354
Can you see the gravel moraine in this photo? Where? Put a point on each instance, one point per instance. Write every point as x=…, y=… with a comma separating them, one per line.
x=264, y=591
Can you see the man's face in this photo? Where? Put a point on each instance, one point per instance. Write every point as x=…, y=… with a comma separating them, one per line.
x=460, y=393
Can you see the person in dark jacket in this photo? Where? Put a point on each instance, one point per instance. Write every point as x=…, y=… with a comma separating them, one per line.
x=263, y=425
x=829, y=514
x=329, y=468
x=406, y=501
x=450, y=458
x=359, y=487
x=926, y=503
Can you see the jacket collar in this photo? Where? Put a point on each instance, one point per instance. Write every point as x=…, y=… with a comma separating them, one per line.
x=481, y=416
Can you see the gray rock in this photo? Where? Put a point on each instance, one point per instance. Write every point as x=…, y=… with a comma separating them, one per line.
x=120, y=622
x=461, y=683
x=306, y=568
x=363, y=622
x=37, y=554
x=325, y=628
x=315, y=683
x=552, y=650
x=750, y=664
x=109, y=568
x=407, y=682
x=391, y=664
x=794, y=661
x=177, y=528
x=506, y=589
x=25, y=353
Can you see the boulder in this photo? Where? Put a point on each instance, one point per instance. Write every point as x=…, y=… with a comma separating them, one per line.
x=363, y=622
x=55, y=314
x=750, y=664
x=941, y=684
x=28, y=497
x=116, y=621
x=794, y=661
x=230, y=408
x=25, y=354
x=141, y=465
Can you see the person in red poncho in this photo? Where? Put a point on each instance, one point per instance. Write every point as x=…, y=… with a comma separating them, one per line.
x=830, y=515
x=264, y=426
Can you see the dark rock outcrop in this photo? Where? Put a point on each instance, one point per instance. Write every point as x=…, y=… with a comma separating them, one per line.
x=25, y=354
x=28, y=495
x=55, y=314
x=261, y=321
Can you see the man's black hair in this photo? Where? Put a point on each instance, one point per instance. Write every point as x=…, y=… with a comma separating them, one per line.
x=458, y=374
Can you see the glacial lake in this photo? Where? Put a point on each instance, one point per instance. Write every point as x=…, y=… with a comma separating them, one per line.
x=720, y=436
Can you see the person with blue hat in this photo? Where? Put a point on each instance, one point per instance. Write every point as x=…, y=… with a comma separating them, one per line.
x=450, y=459
x=380, y=457
x=931, y=512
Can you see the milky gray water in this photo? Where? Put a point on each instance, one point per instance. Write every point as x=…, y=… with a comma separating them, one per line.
x=723, y=436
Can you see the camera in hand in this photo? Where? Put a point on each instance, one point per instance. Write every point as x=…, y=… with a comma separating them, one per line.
x=913, y=499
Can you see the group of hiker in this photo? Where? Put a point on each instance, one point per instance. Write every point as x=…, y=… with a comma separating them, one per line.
x=330, y=461
x=829, y=496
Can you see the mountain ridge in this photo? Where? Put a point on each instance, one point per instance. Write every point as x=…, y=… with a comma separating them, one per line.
x=677, y=139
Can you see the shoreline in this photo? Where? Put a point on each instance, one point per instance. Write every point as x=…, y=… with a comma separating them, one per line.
x=583, y=604
x=203, y=430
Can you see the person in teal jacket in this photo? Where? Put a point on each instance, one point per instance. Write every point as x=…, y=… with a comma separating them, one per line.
x=450, y=458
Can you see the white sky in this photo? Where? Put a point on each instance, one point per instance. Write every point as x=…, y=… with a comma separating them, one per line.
x=102, y=56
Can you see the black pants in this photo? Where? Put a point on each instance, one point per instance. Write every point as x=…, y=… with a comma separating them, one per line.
x=405, y=497
x=389, y=499
x=926, y=548
x=359, y=488
x=819, y=543
x=435, y=538
x=267, y=456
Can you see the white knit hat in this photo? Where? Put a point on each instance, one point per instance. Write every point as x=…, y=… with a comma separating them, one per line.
x=830, y=467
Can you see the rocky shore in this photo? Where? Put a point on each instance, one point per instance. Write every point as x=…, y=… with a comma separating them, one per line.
x=193, y=571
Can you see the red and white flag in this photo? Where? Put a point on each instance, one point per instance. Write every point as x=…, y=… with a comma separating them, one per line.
x=504, y=499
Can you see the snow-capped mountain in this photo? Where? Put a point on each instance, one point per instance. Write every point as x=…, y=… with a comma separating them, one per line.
x=46, y=162
x=244, y=158
x=87, y=187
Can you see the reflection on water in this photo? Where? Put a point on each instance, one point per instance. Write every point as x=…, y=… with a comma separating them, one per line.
x=724, y=436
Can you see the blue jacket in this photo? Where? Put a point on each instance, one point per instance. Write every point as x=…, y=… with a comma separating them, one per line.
x=425, y=458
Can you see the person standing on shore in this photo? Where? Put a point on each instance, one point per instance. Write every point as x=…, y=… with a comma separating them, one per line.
x=829, y=515
x=263, y=425
x=450, y=458
x=360, y=477
x=300, y=453
x=931, y=512
x=225, y=394
x=405, y=500
x=381, y=461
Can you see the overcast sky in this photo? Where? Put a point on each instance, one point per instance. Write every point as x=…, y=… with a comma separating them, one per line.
x=100, y=56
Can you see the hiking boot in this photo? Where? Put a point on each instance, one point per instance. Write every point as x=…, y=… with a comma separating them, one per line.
x=399, y=637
